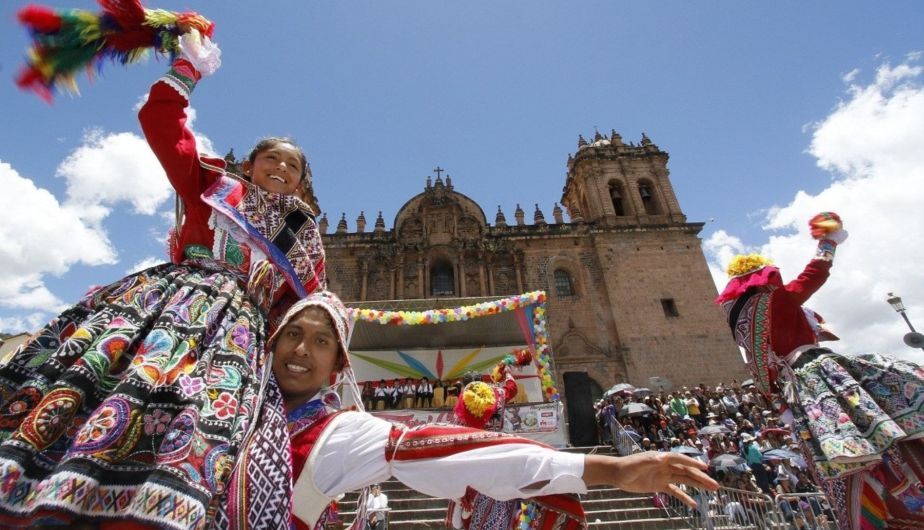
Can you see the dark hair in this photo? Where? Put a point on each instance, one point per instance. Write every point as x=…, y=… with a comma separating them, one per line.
x=273, y=141
x=470, y=377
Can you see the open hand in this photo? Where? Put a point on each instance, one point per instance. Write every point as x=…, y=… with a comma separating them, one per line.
x=649, y=472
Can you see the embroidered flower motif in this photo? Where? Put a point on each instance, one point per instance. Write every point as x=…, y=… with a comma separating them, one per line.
x=97, y=426
x=191, y=385
x=179, y=434
x=104, y=427
x=156, y=422
x=240, y=335
x=225, y=406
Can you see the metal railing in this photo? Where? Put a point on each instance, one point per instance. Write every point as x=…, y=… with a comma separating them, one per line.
x=731, y=508
x=806, y=511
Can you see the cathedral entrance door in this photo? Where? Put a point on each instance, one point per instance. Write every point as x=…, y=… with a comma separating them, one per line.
x=582, y=427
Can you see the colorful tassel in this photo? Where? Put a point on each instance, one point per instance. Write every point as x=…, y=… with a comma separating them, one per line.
x=68, y=41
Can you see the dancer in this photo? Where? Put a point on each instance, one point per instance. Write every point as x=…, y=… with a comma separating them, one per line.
x=860, y=418
x=334, y=452
x=134, y=403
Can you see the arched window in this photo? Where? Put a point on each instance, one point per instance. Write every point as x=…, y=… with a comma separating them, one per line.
x=442, y=280
x=616, y=198
x=564, y=286
x=646, y=192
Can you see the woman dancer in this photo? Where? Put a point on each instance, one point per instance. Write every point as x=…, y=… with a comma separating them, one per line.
x=860, y=419
x=134, y=403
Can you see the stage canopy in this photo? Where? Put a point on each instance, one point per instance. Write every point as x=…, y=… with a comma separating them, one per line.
x=444, y=338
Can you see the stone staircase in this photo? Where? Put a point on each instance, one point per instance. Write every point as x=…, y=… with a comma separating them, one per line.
x=606, y=508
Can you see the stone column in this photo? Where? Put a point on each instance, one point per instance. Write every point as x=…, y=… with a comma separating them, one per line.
x=484, y=290
x=420, y=277
x=461, y=268
x=516, y=269
x=365, y=277
x=400, y=295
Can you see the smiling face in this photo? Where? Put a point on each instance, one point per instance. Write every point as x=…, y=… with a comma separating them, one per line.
x=277, y=168
x=305, y=355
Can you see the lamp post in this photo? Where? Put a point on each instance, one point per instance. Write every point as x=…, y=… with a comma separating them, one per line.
x=913, y=339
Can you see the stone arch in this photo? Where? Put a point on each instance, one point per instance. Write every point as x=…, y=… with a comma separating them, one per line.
x=616, y=191
x=574, y=271
x=648, y=194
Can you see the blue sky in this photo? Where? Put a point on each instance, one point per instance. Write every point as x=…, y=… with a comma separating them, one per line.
x=379, y=93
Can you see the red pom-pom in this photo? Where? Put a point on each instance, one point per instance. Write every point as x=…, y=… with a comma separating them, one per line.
x=40, y=19
x=824, y=223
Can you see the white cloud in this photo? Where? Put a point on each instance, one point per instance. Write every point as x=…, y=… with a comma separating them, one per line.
x=24, y=323
x=112, y=168
x=39, y=236
x=873, y=145
x=145, y=263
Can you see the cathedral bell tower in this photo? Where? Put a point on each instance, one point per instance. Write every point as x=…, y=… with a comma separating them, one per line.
x=612, y=183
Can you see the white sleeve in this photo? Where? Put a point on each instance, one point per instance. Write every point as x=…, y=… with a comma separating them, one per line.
x=354, y=457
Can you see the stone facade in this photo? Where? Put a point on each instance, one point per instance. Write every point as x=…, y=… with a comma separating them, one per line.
x=630, y=295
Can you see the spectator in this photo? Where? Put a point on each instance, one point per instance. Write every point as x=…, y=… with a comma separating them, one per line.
x=730, y=402
x=376, y=508
x=678, y=406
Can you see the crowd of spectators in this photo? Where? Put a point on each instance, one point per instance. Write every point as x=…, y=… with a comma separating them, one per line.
x=681, y=420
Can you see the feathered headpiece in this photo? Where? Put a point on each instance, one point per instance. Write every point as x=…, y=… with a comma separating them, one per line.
x=66, y=41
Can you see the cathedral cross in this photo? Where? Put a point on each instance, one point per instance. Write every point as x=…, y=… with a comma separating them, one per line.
x=438, y=170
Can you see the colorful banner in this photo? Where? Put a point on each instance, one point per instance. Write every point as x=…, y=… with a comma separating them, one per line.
x=447, y=365
x=537, y=421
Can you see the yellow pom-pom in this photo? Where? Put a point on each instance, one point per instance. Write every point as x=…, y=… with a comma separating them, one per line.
x=478, y=397
x=743, y=264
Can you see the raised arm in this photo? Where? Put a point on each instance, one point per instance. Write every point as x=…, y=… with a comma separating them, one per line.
x=163, y=120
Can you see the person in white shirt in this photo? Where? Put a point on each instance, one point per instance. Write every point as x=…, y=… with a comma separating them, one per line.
x=333, y=451
x=376, y=508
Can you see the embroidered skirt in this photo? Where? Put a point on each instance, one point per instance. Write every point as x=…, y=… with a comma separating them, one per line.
x=861, y=421
x=133, y=403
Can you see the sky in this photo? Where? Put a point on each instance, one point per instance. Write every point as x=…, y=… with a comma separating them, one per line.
x=770, y=112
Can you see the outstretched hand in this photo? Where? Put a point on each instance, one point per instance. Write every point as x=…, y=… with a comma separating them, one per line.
x=649, y=472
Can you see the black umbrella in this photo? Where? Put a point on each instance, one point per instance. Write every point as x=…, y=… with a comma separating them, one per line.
x=710, y=430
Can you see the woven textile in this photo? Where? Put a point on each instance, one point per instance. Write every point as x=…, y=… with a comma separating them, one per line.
x=134, y=402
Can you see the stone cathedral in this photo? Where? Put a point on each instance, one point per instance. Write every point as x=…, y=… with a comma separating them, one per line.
x=630, y=294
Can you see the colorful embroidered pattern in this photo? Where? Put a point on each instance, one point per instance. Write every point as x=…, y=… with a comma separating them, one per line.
x=144, y=395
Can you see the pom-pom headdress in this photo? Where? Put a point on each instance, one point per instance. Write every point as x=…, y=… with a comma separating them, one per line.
x=746, y=271
x=477, y=404
x=67, y=41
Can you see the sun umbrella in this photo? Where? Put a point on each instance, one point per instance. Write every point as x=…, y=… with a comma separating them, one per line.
x=641, y=392
x=635, y=409
x=747, y=383
x=686, y=450
x=779, y=453
x=727, y=461
x=710, y=430
x=620, y=388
